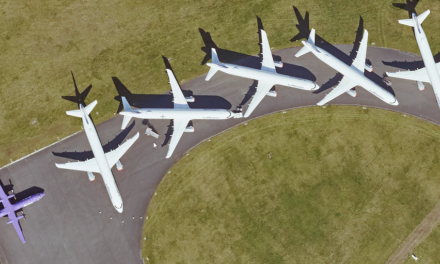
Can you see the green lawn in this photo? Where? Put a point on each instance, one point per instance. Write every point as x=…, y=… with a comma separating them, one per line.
x=344, y=185
x=429, y=250
x=42, y=41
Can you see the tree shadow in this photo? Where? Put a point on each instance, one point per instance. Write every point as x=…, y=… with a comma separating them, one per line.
x=78, y=98
x=111, y=145
x=303, y=27
x=410, y=65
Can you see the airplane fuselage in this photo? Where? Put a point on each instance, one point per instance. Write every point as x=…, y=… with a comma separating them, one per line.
x=102, y=162
x=355, y=75
x=172, y=113
x=21, y=204
x=266, y=76
x=428, y=59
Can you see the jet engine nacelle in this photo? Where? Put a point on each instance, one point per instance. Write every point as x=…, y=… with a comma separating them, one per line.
x=352, y=92
x=368, y=67
x=190, y=99
x=272, y=93
x=278, y=64
x=91, y=176
x=119, y=165
x=420, y=85
x=189, y=129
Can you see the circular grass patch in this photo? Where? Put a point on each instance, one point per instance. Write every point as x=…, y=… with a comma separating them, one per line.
x=336, y=185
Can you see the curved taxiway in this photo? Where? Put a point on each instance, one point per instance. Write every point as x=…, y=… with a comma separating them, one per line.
x=76, y=222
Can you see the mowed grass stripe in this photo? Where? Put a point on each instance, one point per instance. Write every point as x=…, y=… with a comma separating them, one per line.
x=344, y=185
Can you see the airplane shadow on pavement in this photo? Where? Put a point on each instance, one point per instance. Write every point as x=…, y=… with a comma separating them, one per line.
x=20, y=195
x=303, y=27
x=410, y=65
x=166, y=100
x=228, y=56
x=85, y=155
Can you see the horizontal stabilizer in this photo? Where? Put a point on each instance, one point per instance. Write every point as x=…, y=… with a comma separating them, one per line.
x=408, y=22
x=125, y=121
x=423, y=16
x=302, y=51
x=76, y=113
x=211, y=73
x=87, y=109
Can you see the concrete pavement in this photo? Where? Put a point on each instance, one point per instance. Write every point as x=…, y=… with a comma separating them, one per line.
x=66, y=226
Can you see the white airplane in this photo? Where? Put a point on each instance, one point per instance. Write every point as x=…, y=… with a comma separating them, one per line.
x=353, y=75
x=102, y=162
x=431, y=71
x=181, y=113
x=267, y=77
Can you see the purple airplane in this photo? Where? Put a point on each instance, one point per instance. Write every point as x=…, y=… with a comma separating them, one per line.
x=9, y=209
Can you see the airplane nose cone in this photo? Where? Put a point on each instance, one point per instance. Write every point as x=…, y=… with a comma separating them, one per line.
x=316, y=87
x=42, y=195
x=119, y=209
x=395, y=103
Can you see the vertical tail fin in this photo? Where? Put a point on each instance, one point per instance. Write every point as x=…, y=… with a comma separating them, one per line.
x=310, y=42
x=214, y=56
x=125, y=104
x=311, y=39
x=127, y=107
x=215, y=60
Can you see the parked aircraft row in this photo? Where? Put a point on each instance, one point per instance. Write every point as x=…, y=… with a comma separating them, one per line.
x=266, y=76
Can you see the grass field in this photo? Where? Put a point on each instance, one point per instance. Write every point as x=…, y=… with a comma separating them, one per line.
x=42, y=41
x=343, y=185
x=429, y=250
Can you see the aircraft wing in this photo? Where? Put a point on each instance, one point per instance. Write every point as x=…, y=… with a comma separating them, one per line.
x=417, y=75
x=179, y=99
x=343, y=86
x=359, y=61
x=114, y=155
x=179, y=128
x=88, y=165
x=262, y=89
x=3, y=195
x=267, y=64
x=14, y=220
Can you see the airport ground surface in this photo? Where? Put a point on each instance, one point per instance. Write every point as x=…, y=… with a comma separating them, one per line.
x=67, y=226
